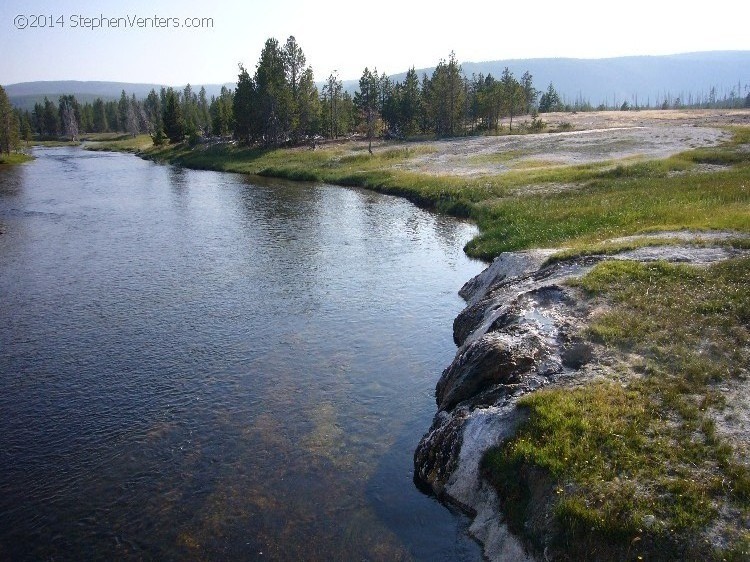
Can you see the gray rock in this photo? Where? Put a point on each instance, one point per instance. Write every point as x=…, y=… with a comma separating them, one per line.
x=518, y=333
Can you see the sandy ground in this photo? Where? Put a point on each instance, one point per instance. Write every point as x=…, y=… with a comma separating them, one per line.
x=595, y=137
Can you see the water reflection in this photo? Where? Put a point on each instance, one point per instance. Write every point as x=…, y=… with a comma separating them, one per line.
x=200, y=365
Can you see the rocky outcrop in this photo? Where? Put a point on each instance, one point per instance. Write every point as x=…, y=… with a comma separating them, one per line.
x=519, y=332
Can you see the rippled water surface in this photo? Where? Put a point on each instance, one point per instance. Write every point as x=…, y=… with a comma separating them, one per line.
x=196, y=365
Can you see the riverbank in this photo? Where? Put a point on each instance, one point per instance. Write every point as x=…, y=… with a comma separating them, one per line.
x=14, y=158
x=647, y=363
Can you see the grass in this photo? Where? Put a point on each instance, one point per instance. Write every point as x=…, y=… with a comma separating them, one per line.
x=640, y=467
x=55, y=143
x=118, y=142
x=503, y=157
x=617, y=202
x=14, y=158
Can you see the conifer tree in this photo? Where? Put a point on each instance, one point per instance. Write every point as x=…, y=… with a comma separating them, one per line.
x=273, y=96
x=122, y=112
x=174, y=125
x=550, y=100
x=50, y=121
x=410, y=103
x=367, y=101
x=308, y=105
x=332, y=99
x=9, y=125
x=221, y=113
x=243, y=106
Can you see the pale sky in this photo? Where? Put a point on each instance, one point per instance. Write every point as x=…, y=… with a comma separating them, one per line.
x=391, y=35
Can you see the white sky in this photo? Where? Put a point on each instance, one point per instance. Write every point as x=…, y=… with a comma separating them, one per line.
x=391, y=35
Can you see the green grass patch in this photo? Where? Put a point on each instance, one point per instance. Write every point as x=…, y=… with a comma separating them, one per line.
x=118, y=142
x=530, y=163
x=55, y=143
x=639, y=469
x=14, y=158
x=617, y=203
x=501, y=157
x=695, y=320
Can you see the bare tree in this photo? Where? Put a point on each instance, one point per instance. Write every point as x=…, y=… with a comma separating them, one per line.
x=69, y=121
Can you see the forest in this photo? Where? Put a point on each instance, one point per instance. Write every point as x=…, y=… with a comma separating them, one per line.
x=280, y=104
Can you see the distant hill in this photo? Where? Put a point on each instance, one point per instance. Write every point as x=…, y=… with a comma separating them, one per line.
x=614, y=80
x=25, y=94
x=610, y=81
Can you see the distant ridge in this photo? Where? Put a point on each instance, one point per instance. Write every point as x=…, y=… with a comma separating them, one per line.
x=25, y=94
x=615, y=80
x=645, y=79
x=650, y=78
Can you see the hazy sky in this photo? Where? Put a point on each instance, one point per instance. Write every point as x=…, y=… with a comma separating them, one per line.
x=343, y=35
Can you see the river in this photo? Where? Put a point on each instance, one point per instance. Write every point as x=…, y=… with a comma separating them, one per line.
x=199, y=365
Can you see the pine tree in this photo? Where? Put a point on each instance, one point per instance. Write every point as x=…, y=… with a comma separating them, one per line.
x=152, y=108
x=332, y=99
x=425, y=109
x=221, y=113
x=549, y=101
x=51, y=124
x=530, y=94
x=411, y=102
x=174, y=125
x=273, y=94
x=9, y=124
x=243, y=106
x=294, y=64
x=308, y=105
x=87, y=117
x=446, y=97
x=367, y=101
x=122, y=112
x=26, y=130
x=110, y=109
x=189, y=107
x=204, y=119
x=512, y=95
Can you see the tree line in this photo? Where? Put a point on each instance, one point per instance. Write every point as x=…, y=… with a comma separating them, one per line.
x=279, y=104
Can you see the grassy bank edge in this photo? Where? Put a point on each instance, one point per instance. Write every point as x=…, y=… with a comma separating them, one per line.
x=14, y=158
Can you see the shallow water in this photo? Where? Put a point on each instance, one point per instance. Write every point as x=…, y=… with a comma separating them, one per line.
x=196, y=365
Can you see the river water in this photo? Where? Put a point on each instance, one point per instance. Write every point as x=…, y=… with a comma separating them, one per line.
x=208, y=366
